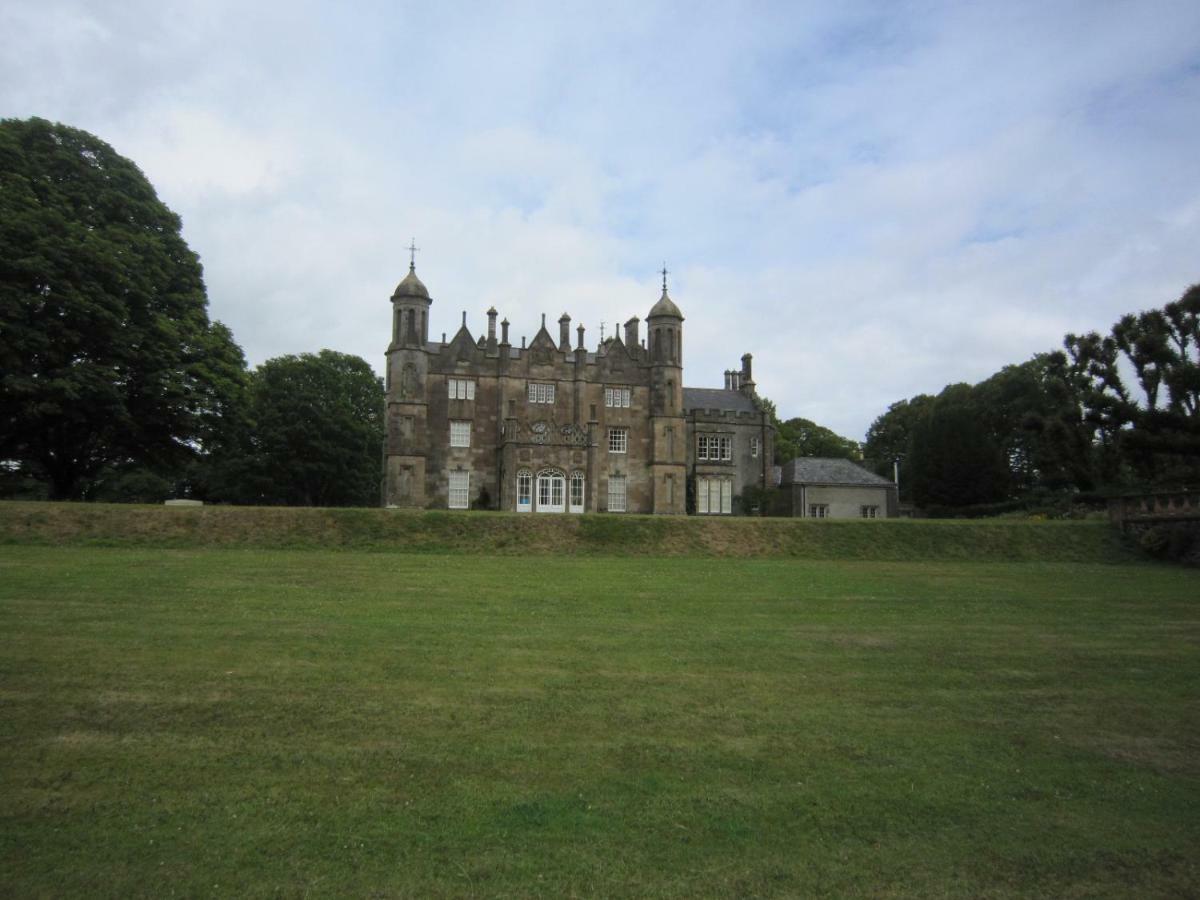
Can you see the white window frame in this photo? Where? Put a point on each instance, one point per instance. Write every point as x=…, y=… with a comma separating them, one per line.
x=818, y=510
x=540, y=392
x=617, y=493
x=618, y=440
x=754, y=447
x=714, y=447
x=618, y=398
x=460, y=388
x=869, y=511
x=576, y=492
x=460, y=432
x=459, y=490
x=524, y=491
x=714, y=495
x=550, y=491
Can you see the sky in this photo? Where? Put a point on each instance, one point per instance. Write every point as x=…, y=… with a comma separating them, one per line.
x=874, y=199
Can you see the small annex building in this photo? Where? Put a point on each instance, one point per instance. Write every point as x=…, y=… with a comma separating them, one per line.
x=823, y=488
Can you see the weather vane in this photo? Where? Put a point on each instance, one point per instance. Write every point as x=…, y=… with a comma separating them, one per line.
x=664, y=274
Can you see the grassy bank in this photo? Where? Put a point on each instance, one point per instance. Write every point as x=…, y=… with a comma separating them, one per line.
x=592, y=535
x=263, y=723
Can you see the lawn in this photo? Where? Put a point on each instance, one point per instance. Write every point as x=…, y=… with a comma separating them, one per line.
x=285, y=723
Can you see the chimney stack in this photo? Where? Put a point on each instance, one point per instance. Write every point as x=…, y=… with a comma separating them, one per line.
x=631, y=333
x=564, y=333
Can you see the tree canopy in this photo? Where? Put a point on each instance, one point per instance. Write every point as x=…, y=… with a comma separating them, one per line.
x=1108, y=412
x=316, y=434
x=107, y=355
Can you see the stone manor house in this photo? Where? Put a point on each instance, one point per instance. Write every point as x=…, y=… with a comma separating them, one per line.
x=475, y=422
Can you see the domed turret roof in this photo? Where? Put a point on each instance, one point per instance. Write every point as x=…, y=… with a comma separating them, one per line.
x=411, y=286
x=665, y=307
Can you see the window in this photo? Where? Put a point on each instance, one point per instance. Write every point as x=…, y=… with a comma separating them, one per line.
x=576, y=492
x=524, y=491
x=460, y=388
x=754, y=447
x=616, y=493
x=618, y=440
x=714, y=496
x=550, y=490
x=714, y=447
x=617, y=397
x=818, y=510
x=460, y=490
x=540, y=392
x=460, y=434
x=870, y=512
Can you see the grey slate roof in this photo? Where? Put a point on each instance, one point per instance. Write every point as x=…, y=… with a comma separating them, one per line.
x=822, y=470
x=715, y=398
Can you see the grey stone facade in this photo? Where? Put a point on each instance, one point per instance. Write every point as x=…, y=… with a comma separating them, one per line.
x=475, y=422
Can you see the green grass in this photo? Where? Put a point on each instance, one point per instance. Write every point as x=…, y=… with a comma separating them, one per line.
x=510, y=534
x=262, y=723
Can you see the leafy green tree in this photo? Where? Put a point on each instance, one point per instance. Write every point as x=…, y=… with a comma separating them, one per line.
x=317, y=433
x=107, y=355
x=889, y=439
x=1033, y=413
x=1152, y=424
x=803, y=437
x=955, y=461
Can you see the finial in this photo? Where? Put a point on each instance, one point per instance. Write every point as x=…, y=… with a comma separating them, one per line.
x=412, y=249
x=664, y=275
x=602, y=331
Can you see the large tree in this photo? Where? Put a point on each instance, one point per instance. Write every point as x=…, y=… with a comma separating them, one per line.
x=318, y=432
x=1150, y=424
x=955, y=460
x=889, y=439
x=107, y=355
x=803, y=437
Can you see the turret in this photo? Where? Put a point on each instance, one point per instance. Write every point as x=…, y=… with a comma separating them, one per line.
x=410, y=311
x=665, y=330
x=668, y=467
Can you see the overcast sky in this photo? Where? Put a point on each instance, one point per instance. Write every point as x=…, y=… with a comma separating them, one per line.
x=875, y=199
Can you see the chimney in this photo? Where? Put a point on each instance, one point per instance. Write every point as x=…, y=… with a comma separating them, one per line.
x=564, y=333
x=504, y=332
x=491, y=335
x=727, y=382
x=579, y=331
x=746, y=382
x=631, y=333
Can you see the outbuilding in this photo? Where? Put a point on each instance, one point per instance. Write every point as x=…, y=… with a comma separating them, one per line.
x=823, y=488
